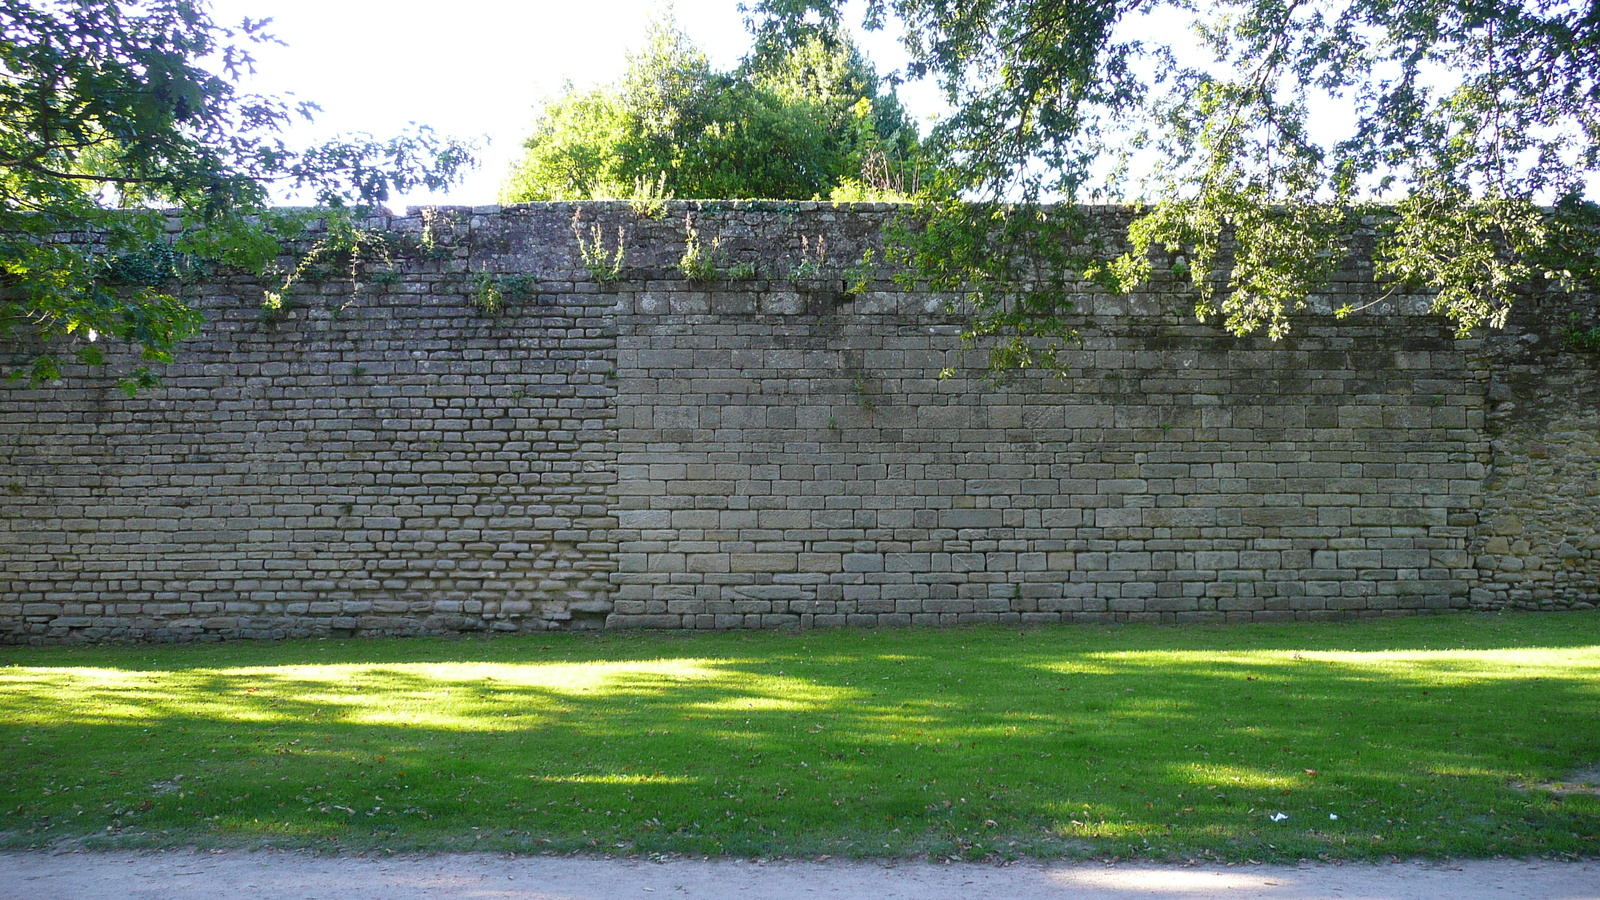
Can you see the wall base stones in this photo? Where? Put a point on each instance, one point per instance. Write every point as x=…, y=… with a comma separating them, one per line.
x=388, y=458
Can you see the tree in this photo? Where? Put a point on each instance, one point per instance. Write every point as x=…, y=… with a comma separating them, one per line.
x=108, y=112
x=793, y=123
x=1472, y=137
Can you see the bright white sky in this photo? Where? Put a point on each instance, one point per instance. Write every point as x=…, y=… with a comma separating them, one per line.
x=473, y=68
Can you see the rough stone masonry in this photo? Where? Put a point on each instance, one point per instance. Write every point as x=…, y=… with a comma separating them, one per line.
x=763, y=448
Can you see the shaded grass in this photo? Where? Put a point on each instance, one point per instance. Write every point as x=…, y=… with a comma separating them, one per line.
x=1405, y=737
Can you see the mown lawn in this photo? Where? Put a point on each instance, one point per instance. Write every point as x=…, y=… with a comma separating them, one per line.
x=1442, y=736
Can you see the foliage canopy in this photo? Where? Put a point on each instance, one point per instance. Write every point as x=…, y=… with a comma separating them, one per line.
x=1468, y=129
x=110, y=109
x=793, y=122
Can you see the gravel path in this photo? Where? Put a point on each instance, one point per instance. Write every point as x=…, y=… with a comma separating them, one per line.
x=238, y=875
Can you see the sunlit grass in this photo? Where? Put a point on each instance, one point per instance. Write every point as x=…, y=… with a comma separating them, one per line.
x=1410, y=737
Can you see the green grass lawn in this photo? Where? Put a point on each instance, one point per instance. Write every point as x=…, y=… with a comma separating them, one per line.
x=1432, y=736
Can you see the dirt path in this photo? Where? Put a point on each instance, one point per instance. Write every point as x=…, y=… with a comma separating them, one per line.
x=237, y=875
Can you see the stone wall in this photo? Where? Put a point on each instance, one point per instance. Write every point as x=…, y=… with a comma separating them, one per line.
x=754, y=452
x=387, y=462
x=1539, y=544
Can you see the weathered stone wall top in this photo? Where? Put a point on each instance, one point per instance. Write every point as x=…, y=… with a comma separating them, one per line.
x=618, y=445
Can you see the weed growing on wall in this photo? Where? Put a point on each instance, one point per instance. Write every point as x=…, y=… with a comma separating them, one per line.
x=649, y=198
x=861, y=384
x=857, y=276
x=699, y=263
x=809, y=268
x=489, y=294
x=604, y=265
x=744, y=271
x=486, y=295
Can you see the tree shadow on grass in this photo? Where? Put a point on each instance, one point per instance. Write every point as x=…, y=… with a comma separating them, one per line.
x=1244, y=743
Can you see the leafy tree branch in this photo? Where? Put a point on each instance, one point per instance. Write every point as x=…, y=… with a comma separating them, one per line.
x=1263, y=134
x=112, y=122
